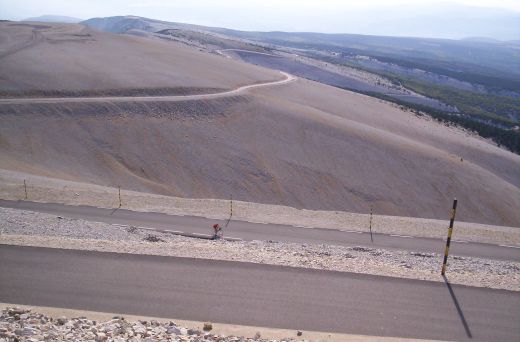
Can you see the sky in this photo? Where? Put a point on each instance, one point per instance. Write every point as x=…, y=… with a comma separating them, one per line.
x=329, y=16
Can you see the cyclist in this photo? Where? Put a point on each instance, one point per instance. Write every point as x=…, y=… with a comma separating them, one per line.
x=218, y=231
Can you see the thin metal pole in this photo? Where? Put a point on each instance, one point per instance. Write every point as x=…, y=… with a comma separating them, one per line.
x=120, y=203
x=25, y=188
x=450, y=231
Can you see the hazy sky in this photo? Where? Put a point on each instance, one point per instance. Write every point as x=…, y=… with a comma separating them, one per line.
x=262, y=15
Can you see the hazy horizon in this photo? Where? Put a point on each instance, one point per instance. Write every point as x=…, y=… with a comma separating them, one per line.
x=455, y=19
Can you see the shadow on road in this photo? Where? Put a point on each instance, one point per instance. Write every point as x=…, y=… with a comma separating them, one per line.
x=113, y=211
x=457, y=306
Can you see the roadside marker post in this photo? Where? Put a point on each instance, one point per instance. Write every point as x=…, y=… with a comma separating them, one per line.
x=120, y=203
x=370, y=224
x=230, y=210
x=450, y=231
x=25, y=188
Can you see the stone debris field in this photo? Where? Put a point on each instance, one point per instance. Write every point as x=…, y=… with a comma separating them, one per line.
x=24, y=325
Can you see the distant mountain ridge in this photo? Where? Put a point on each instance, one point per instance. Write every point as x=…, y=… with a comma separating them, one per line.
x=119, y=24
x=444, y=20
x=55, y=19
x=490, y=57
x=434, y=19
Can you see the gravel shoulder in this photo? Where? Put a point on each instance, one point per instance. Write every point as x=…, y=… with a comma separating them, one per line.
x=27, y=228
x=52, y=190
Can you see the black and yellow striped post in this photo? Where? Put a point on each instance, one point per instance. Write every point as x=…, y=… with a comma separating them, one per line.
x=370, y=224
x=230, y=210
x=25, y=188
x=450, y=231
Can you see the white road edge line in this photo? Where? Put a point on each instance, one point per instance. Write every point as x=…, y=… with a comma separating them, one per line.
x=402, y=236
x=509, y=246
x=173, y=231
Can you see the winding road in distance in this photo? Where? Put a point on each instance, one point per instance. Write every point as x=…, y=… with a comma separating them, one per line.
x=288, y=78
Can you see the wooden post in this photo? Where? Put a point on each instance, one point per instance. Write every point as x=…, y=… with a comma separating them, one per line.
x=120, y=203
x=370, y=225
x=450, y=231
x=25, y=188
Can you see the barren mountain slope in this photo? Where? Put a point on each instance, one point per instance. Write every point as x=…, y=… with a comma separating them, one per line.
x=301, y=144
x=45, y=56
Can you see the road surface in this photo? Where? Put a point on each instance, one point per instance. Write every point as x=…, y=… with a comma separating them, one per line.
x=167, y=98
x=274, y=232
x=257, y=295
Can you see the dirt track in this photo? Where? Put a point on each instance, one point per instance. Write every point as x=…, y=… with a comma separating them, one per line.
x=288, y=78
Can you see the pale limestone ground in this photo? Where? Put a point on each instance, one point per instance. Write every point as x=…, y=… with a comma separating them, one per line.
x=45, y=189
x=27, y=228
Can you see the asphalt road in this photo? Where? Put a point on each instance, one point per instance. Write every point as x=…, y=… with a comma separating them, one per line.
x=256, y=231
x=258, y=295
